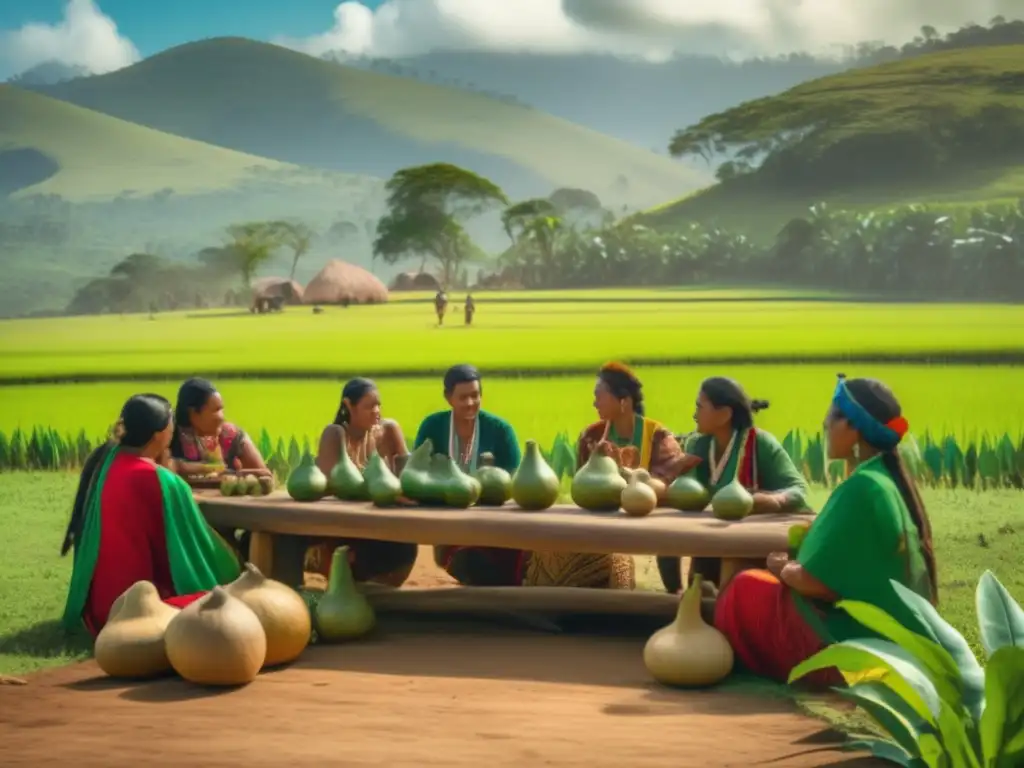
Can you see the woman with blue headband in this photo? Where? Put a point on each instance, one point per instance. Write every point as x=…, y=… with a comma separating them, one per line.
x=873, y=529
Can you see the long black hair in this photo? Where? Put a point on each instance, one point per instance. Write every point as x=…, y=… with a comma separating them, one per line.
x=723, y=392
x=192, y=396
x=353, y=391
x=881, y=404
x=142, y=417
x=623, y=383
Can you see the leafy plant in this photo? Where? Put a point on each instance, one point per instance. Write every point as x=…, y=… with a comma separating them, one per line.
x=927, y=692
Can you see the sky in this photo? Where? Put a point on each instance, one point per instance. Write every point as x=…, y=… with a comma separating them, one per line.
x=104, y=35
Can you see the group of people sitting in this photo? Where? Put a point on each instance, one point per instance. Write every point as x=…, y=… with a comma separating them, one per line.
x=135, y=518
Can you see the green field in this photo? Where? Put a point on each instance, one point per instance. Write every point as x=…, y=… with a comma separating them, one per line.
x=319, y=109
x=517, y=338
x=972, y=533
x=869, y=111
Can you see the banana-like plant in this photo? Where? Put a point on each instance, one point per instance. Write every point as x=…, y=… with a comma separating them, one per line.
x=936, y=703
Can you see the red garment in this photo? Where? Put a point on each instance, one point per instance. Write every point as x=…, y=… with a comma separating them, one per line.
x=757, y=615
x=132, y=542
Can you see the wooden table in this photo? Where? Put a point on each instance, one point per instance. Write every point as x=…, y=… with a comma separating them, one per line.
x=282, y=528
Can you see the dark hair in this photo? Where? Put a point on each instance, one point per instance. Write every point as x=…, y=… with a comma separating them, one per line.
x=460, y=374
x=881, y=404
x=353, y=391
x=723, y=392
x=142, y=417
x=622, y=383
x=192, y=396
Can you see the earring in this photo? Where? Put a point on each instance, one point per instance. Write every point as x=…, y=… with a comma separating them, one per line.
x=856, y=451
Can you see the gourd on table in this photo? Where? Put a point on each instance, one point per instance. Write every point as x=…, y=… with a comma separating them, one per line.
x=495, y=482
x=346, y=482
x=382, y=486
x=307, y=482
x=535, y=486
x=687, y=494
x=598, y=485
x=282, y=613
x=733, y=502
x=131, y=643
x=639, y=498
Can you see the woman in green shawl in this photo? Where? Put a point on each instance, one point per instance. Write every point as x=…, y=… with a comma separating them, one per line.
x=135, y=520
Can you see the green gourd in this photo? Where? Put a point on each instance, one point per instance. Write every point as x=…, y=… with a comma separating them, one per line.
x=382, y=486
x=495, y=482
x=415, y=477
x=535, y=486
x=598, y=486
x=346, y=481
x=458, y=489
x=437, y=480
x=688, y=494
x=252, y=486
x=267, y=484
x=342, y=612
x=307, y=482
x=228, y=485
x=732, y=502
x=638, y=498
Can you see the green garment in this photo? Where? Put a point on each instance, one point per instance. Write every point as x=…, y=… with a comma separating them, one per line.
x=494, y=435
x=861, y=539
x=636, y=440
x=776, y=472
x=199, y=559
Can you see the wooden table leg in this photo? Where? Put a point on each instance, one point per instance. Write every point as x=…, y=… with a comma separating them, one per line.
x=278, y=556
x=733, y=565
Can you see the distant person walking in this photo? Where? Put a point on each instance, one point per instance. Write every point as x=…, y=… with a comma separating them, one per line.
x=470, y=309
x=441, y=306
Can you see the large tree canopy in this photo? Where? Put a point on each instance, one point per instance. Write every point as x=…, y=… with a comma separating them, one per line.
x=427, y=206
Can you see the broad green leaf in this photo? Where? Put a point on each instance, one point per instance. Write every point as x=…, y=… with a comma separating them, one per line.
x=936, y=628
x=902, y=673
x=1000, y=618
x=885, y=750
x=893, y=714
x=1002, y=723
x=955, y=739
x=939, y=665
x=933, y=754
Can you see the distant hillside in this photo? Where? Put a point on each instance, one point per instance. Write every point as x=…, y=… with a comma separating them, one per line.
x=941, y=128
x=273, y=102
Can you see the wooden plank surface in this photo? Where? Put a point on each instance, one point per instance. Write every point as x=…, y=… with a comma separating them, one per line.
x=559, y=529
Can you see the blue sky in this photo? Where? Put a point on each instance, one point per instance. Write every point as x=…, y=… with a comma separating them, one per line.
x=153, y=25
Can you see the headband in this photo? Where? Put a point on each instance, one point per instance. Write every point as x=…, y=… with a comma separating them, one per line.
x=885, y=437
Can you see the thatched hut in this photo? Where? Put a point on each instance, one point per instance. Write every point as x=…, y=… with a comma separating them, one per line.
x=342, y=283
x=272, y=293
x=415, y=281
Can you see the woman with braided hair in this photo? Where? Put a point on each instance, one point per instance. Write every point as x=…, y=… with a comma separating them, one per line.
x=873, y=530
x=359, y=430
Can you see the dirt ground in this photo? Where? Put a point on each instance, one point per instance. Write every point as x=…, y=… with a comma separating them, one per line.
x=417, y=693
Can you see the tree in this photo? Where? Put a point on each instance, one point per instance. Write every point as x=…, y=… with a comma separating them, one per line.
x=427, y=206
x=298, y=237
x=516, y=217
x=252, y=245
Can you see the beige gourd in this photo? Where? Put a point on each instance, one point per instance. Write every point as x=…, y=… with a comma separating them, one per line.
x=217, y=640
x=131, y=643
x=281, y=610
x=638, y=498
x=689, y=652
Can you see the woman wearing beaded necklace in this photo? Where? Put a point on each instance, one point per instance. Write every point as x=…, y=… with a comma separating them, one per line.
x=359, y=430
x=463, y=433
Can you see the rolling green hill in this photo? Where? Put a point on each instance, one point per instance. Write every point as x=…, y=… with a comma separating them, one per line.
x=942, y=129
x=273, y=102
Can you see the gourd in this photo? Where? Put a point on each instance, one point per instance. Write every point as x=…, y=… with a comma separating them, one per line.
x=382, y=486
x=457, y=489
x=307, y=482
x=266, y=484
x=688, y=494
x=598, y=486
x=656, y=484
x=689, y=652
x=535, y=486
x=495, y=482
x=415, y=478
x=638, y=498
x=229, y=485
x=131, y=643
x=252, y=485
x=342, y=612
x=346, y=481
x=217, y=640
x=283, y=614
x=732, y=502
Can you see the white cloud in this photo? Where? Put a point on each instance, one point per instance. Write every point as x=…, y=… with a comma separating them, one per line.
x=636, y=27
x=85, y=37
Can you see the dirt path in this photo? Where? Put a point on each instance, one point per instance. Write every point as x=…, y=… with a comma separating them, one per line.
x=416, y=694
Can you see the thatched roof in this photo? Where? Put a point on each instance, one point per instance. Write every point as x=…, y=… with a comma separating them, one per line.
x=340, y=282
x=415, y=281
x=272, y=287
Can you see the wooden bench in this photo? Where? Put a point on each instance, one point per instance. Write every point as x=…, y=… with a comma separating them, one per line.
x=283, y=528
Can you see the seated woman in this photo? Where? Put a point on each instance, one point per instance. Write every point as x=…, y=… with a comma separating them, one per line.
x=134, y=520
x=359, y=430
x=634, y=441
x=204, y=443
x=728, y=445
x=464, y=432
x=873, y=529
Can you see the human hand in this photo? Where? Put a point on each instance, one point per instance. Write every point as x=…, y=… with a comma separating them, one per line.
x=777, y=561
x=767, y=503
x=684, y=462
x=606, y=448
